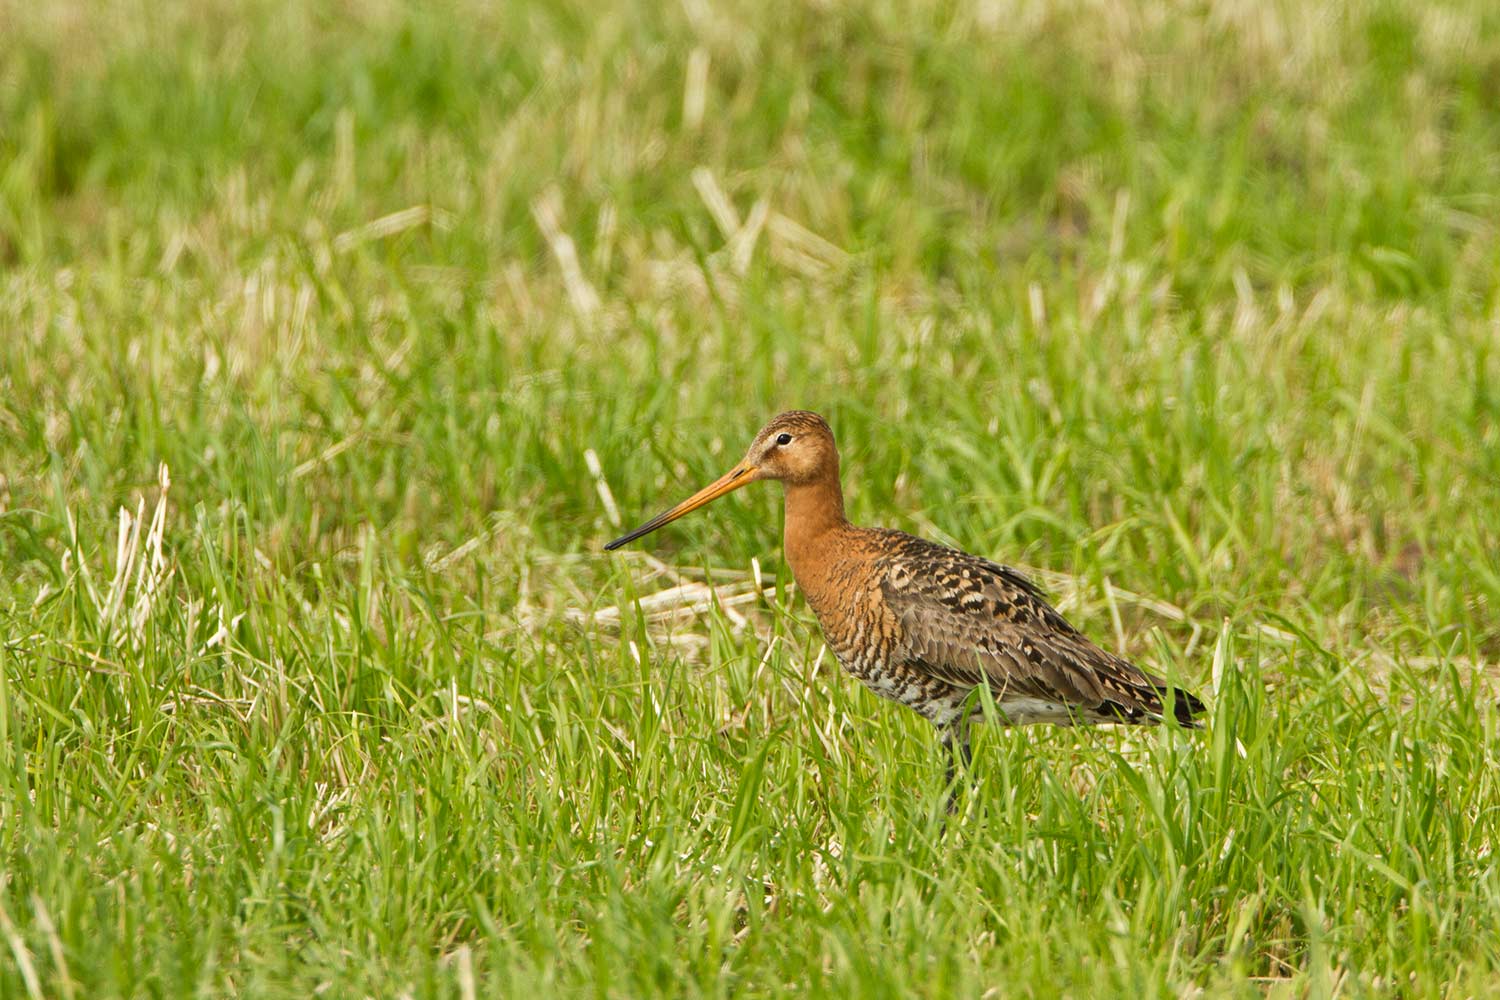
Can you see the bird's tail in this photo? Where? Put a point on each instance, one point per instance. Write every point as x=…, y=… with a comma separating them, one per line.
x=1150, y=703
x=1185, y=706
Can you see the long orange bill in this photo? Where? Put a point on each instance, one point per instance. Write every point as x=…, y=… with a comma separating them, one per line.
x=727, y=483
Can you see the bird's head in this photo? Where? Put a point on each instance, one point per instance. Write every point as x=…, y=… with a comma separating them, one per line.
x=796, y=448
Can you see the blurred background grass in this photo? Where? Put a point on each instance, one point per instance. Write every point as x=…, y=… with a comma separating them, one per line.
x=1193, y=305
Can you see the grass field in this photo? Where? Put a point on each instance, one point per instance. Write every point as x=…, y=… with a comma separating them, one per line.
x=336, y=337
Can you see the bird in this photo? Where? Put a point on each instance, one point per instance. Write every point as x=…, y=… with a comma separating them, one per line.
x=925, y=625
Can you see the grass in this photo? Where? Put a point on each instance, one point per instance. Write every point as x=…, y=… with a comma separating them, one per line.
x=1191, y=309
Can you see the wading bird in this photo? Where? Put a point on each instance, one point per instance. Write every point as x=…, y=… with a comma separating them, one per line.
x=923, y=624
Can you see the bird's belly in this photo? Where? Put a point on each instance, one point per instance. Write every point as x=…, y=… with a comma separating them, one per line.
x=943, y=703
x=934, y=699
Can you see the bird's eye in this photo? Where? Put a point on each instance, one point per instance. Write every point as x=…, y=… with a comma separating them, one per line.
x=783, y=439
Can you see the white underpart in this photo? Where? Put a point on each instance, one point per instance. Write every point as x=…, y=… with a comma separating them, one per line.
x=1028, y=711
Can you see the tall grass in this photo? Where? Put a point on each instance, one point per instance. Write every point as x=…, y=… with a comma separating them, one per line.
x=337, y=337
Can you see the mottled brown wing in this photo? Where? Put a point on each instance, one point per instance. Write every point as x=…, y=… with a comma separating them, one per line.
x=970, y=621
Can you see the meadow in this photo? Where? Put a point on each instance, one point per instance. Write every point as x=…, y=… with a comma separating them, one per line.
x=337, y=337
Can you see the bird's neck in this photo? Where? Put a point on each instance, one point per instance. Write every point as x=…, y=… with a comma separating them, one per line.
x=814, y=521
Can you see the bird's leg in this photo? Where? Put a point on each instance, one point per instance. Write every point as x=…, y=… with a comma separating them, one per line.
x=955, y=741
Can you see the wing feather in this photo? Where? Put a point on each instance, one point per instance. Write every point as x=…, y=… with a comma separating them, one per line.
x=970, y=621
